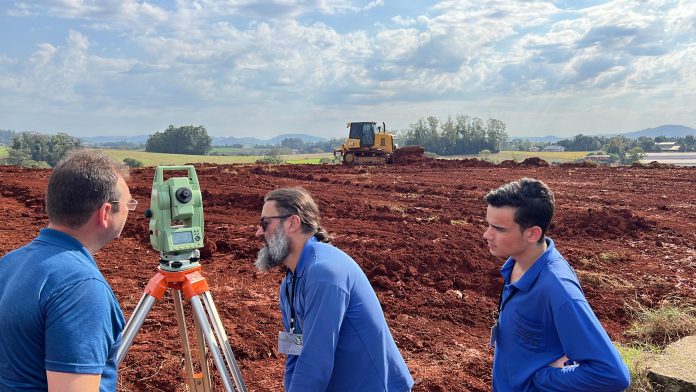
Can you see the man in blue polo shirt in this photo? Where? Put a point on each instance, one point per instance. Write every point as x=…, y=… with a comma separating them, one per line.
x=546, y=337
x=60, y=323
x=335, y=335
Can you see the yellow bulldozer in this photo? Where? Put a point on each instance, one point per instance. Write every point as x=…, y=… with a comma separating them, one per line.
x=370, y=144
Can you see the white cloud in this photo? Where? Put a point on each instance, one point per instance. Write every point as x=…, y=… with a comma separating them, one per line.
x=373, y=4
x=119, y=12
x=403, y=21
x=204, y=57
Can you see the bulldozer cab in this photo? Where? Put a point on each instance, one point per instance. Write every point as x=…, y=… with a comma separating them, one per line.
x=364, y=131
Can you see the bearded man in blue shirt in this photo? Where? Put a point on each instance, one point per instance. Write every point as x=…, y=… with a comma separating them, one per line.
x=61, y=323
x=546, y=338
x=335, y=335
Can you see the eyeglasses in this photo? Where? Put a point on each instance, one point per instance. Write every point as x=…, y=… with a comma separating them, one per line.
x=131, y=205
x=264, y=221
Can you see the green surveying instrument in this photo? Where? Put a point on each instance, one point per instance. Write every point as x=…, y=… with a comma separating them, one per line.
x=176, y=218
x=176, y=231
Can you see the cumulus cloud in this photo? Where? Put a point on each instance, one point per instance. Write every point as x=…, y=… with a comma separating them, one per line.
x=403, y=21
x=210, y=54
x=108, y=12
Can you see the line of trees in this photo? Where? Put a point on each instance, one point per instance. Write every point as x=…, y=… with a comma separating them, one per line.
x=300, y=146
x=187, y=139
x=611, y=145
x=462, y=135
x=617, y=144
x=31, y=149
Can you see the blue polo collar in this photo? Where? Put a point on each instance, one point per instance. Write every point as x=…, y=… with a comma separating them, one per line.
x=304, y=256
x=63, y=240
x=527, y=280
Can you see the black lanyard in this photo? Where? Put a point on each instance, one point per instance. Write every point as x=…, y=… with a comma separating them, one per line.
x=501, y=304
x=292, y=303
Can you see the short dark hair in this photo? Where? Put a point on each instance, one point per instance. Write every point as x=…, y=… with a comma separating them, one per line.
x=533, y=200
x=298, y=201
x=80, y=183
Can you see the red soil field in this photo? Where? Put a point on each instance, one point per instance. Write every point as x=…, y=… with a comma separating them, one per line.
x=415, y=228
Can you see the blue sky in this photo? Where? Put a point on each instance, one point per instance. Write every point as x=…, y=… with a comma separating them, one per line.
x=263, y=68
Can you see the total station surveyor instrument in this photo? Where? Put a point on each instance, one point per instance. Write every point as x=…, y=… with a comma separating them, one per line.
x=176, y=231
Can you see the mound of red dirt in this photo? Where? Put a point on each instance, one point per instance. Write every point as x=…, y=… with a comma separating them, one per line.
x=409, y=154
x=579, y=164
x=508, y=163
x=415, y=229
x=535, y=162
x=604, y=223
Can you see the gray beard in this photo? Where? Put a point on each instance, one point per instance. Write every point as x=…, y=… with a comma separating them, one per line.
x=276, y=250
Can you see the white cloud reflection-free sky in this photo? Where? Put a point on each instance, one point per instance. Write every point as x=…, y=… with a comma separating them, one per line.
x=262, y=68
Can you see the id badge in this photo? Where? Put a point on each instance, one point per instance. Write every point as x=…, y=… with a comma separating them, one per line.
x=289, y=343
x=494, y=335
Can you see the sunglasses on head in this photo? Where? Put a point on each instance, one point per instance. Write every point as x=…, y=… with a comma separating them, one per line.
x=264, y=221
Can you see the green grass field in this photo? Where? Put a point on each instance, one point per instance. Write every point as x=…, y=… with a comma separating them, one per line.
x=227, y=150
x=519, y=156
x=155, y=159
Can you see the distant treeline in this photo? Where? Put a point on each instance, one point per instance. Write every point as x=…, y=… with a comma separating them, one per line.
x=611, y=145
x=31, y=149
x=616, y=144
x=470, y=135
x=462, y=135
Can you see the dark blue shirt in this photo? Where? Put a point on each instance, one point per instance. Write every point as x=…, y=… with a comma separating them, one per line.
x=57, y=313
x=546, y=318
x=347, y=343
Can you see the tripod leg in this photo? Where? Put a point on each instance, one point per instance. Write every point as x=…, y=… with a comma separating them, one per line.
x=133, y=326
x=212, y=343
x=222, y=337
x=196, y=380
x=202, y=352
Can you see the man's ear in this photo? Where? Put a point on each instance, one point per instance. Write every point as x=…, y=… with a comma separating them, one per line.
x=295, y=223
x=533, y=234
x=103, y=215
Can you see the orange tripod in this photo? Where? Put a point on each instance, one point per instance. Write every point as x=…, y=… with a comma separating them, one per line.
x=195, y=288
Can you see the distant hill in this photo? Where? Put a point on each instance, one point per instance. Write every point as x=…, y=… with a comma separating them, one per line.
x=110, y=141
x=252, y=141
x=663, y=130
x=102, y=140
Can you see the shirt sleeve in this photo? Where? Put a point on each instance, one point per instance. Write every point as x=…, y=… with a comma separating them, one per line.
x=585, y=342
x=325, y=306
x=82, y=325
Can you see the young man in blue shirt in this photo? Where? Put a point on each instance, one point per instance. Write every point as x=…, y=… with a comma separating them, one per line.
x=335, y=335
x=61, y=324
x=546, y=338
